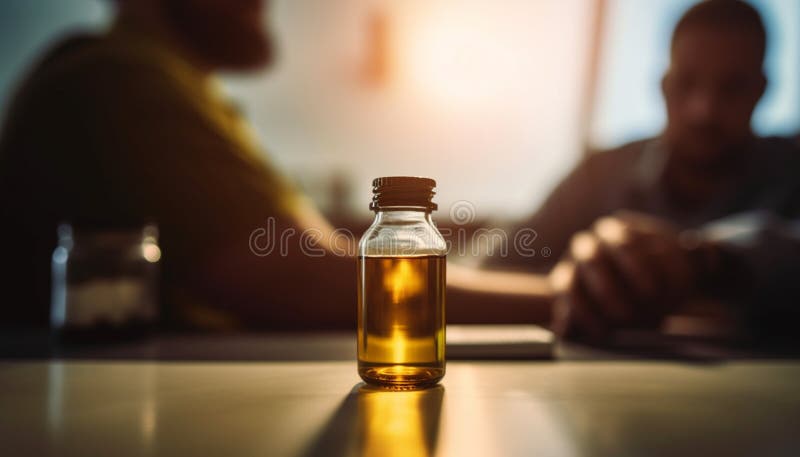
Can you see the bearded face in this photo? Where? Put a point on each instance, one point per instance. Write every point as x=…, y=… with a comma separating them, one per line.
x=228, y=34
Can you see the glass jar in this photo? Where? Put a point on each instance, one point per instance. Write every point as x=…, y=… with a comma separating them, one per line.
x=401, y=287
x=104, y=283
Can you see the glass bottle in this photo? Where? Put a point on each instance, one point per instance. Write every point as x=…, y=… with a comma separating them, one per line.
x=104, y=283
x=401, y=287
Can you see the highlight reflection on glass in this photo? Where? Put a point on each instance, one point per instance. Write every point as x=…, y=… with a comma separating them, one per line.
x=398, y=423
x=402, y=280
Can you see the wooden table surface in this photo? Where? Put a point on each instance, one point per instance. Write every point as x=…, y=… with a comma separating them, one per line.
x=320, y=408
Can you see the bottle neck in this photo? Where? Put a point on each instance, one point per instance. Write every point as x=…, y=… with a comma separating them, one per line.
x=404, y=216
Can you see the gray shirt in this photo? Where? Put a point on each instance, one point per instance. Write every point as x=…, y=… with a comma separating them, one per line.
x=757, y=219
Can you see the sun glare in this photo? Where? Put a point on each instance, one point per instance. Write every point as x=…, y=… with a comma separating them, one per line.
x=457, y=58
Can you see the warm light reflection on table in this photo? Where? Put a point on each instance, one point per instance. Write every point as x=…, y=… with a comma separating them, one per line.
x=398, y=424
x=383, y=423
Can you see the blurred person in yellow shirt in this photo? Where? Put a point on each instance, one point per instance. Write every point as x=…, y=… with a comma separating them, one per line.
x=130, y=126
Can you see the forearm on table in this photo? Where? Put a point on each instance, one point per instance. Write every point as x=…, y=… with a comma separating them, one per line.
x=484, y=296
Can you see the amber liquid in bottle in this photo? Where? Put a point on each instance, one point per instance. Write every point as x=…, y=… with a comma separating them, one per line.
x=401, y=322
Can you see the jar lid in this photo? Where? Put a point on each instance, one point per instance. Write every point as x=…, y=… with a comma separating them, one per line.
x=403, y=192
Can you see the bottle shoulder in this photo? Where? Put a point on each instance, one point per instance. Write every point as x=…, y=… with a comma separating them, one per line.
x=404, y=238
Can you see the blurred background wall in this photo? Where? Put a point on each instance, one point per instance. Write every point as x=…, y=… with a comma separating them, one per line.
x=496, y=99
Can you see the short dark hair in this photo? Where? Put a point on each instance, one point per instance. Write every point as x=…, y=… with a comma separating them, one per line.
x=729, y=14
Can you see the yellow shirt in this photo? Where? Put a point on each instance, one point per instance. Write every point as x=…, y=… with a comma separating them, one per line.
x=119, y=129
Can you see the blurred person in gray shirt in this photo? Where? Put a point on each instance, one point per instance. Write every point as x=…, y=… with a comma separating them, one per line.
x=705, y=210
